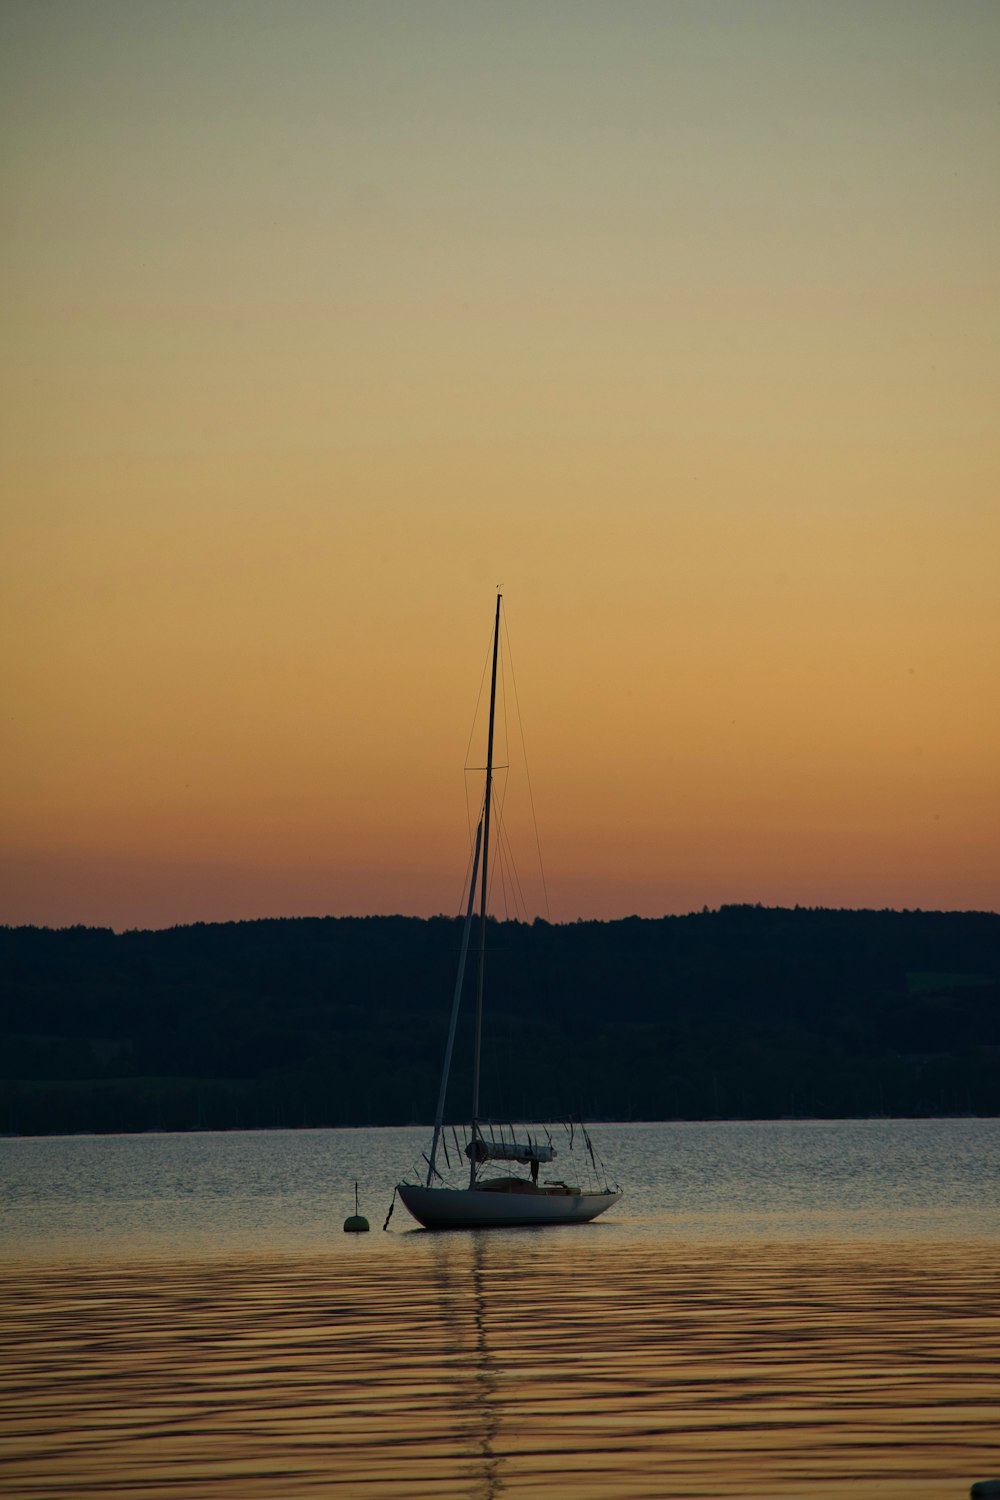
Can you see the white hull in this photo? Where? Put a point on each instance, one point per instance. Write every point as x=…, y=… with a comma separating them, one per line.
x=472, y=1208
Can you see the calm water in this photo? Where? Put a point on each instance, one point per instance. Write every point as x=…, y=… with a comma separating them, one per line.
x=785, y=1309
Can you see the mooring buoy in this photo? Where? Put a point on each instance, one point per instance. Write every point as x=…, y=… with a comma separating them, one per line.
x=357, y=1223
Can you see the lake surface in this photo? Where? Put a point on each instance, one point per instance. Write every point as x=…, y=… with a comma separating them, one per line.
x=786, y=1309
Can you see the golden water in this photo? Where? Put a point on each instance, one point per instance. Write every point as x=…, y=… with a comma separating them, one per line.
x=525, y=1365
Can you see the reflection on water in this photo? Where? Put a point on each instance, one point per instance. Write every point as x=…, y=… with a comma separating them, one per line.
x=512, y=1364
x=485, y=1384
x=793, y=1310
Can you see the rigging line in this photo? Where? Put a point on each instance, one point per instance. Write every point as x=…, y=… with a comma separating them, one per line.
x=460, y=908
x=506, y=852
x=499, y=797
x=503, y=866
x=500, y=870
x=514, y=872
x=527, y=773
x=468, y=864
x=468, y=748
x=465, y=885
x=468, y=814
x=505, y=845
x=479, y=698
x=503, y=697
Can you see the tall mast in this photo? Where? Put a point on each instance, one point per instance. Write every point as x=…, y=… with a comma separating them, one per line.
x=482, y=899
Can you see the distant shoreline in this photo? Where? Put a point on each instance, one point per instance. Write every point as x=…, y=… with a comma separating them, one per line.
x=6, y=1135
x=744, y=1013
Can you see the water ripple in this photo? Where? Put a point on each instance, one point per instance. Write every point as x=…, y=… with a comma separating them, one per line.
x=483, y=1366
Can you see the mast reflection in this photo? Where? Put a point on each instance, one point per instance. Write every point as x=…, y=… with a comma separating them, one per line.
x=462, y=1277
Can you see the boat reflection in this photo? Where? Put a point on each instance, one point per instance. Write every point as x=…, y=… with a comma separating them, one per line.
x=460, y=1273
x=486, y=1365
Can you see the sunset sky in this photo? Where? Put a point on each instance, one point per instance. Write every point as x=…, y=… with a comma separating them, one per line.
x=677, y=320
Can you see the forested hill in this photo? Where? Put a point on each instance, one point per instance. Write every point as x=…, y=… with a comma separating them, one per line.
x=744, y=1012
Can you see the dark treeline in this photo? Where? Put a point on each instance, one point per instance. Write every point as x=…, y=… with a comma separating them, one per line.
x=745, y=1012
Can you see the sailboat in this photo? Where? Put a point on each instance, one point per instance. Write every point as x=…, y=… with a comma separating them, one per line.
x=489, y=1202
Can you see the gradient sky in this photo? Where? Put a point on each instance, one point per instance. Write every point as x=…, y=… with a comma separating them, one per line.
x=679, y=320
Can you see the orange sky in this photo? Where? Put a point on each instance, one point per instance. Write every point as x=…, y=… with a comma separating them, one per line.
x=679, y=321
